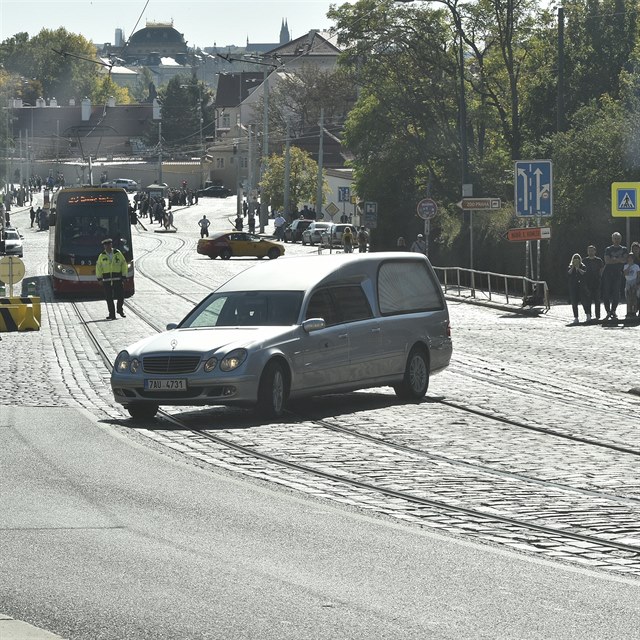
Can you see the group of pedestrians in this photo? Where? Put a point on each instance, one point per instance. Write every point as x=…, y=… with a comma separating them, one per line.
x=594, y=281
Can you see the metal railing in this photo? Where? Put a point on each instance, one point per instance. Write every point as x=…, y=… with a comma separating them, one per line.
x=494, y=287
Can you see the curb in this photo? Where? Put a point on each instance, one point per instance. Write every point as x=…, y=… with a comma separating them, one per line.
x=534, y=313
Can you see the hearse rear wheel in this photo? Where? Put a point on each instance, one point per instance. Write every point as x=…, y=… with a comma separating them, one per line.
x=416, y=376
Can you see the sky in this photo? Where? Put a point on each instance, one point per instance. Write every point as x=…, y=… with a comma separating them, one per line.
x=202, y=22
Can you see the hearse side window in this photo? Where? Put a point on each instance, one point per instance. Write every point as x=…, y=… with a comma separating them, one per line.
x=321, y=306
x=351, y=303
x=407, y=286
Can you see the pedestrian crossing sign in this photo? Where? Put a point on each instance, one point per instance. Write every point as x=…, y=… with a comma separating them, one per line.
x=624, y=199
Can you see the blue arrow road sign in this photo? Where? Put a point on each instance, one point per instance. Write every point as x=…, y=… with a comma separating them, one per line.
x=344, y=193
x=533, y=188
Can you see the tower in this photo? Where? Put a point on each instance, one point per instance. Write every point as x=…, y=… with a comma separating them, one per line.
x=284, y=33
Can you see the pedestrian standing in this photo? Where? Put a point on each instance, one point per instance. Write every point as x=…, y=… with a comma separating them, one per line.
x=279, y=222
x=32, y=215
x=592, y=282
x=635, y=249
x=111, y=269
x=347, y=240
x=239, y=223
x=419, y=245
x=615, y=256
x=401, y=244
x=203, y=223
x=363, y=240
x=631, y=273
x=576, y=274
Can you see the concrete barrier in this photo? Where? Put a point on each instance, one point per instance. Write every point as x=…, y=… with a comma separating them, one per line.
x=20, y=313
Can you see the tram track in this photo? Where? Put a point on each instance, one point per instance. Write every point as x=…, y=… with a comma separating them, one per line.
x=503, y=527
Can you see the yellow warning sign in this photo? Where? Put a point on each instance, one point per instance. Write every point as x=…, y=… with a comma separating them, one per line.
x=625, y=199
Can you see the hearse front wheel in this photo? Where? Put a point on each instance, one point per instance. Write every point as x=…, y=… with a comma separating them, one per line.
x=273, y=391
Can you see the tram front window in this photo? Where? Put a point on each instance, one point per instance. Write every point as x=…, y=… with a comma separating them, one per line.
x=81, y=237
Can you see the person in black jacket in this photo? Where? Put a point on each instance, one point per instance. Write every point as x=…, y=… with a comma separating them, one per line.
x=576, y=273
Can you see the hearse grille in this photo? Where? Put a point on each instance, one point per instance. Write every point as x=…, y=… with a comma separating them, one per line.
x=170, y=364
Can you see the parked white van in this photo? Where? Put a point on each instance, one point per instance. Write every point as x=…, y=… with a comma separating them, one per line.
x=296, y=327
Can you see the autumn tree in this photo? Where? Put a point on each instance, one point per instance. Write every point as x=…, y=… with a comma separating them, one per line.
x=303, y=174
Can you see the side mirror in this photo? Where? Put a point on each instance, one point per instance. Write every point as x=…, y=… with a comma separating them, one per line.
x=313, y=324
x=171, y=326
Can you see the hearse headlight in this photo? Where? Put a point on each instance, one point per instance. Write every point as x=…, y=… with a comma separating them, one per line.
x=233, y=360
x=125, y=363
x=210, y=364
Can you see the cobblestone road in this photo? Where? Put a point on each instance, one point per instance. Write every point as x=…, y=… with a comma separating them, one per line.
x=542, y=379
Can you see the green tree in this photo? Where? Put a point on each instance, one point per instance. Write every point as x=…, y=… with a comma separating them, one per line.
x=303, y=174
x=184, y=101
x=64, y=63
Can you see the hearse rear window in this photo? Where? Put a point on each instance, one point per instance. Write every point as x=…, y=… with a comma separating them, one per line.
x=407, y=286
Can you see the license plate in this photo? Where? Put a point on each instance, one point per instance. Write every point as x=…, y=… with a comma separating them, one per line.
x=180, y=384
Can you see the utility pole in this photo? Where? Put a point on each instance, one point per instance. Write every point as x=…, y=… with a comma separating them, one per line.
x=160, y=152
x=201, y=115
x=320, y=159
x=264, y=214
x=287, y=175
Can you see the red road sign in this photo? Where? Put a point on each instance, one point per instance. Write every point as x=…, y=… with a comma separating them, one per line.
x=529, y=233
x=427, y=208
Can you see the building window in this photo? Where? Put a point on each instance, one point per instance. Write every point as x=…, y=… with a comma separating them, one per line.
x=244, y=162
x=226, y=121
x=219, y=163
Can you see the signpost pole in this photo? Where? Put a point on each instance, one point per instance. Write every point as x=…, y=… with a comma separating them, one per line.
x=427, y=231
x=471, y=244
x=11, y=277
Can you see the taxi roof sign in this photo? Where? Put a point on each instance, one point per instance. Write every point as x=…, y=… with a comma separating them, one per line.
x=624, y=199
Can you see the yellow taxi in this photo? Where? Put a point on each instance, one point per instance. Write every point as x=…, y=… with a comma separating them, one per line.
x=239, y=244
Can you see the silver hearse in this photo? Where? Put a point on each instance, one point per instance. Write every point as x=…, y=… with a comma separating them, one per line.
x=296, y=327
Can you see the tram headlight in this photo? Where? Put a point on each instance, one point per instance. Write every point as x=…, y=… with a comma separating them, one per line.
x=233, y=360
x=65, y=269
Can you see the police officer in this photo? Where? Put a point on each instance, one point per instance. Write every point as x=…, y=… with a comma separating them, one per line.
x=111, y=268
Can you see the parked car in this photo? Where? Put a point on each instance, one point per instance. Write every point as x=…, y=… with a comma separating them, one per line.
x=293, y=231
x=214, y=191
x=313, y=233
x=292, y=328
x=11, y=242
x=239, y=244
x=333, y=237
x=122, y=183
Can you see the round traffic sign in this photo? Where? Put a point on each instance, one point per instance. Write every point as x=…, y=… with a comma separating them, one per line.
x=11, y=269
x=427, y=208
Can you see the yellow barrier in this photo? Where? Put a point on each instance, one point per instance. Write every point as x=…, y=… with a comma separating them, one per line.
x=20, y=314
